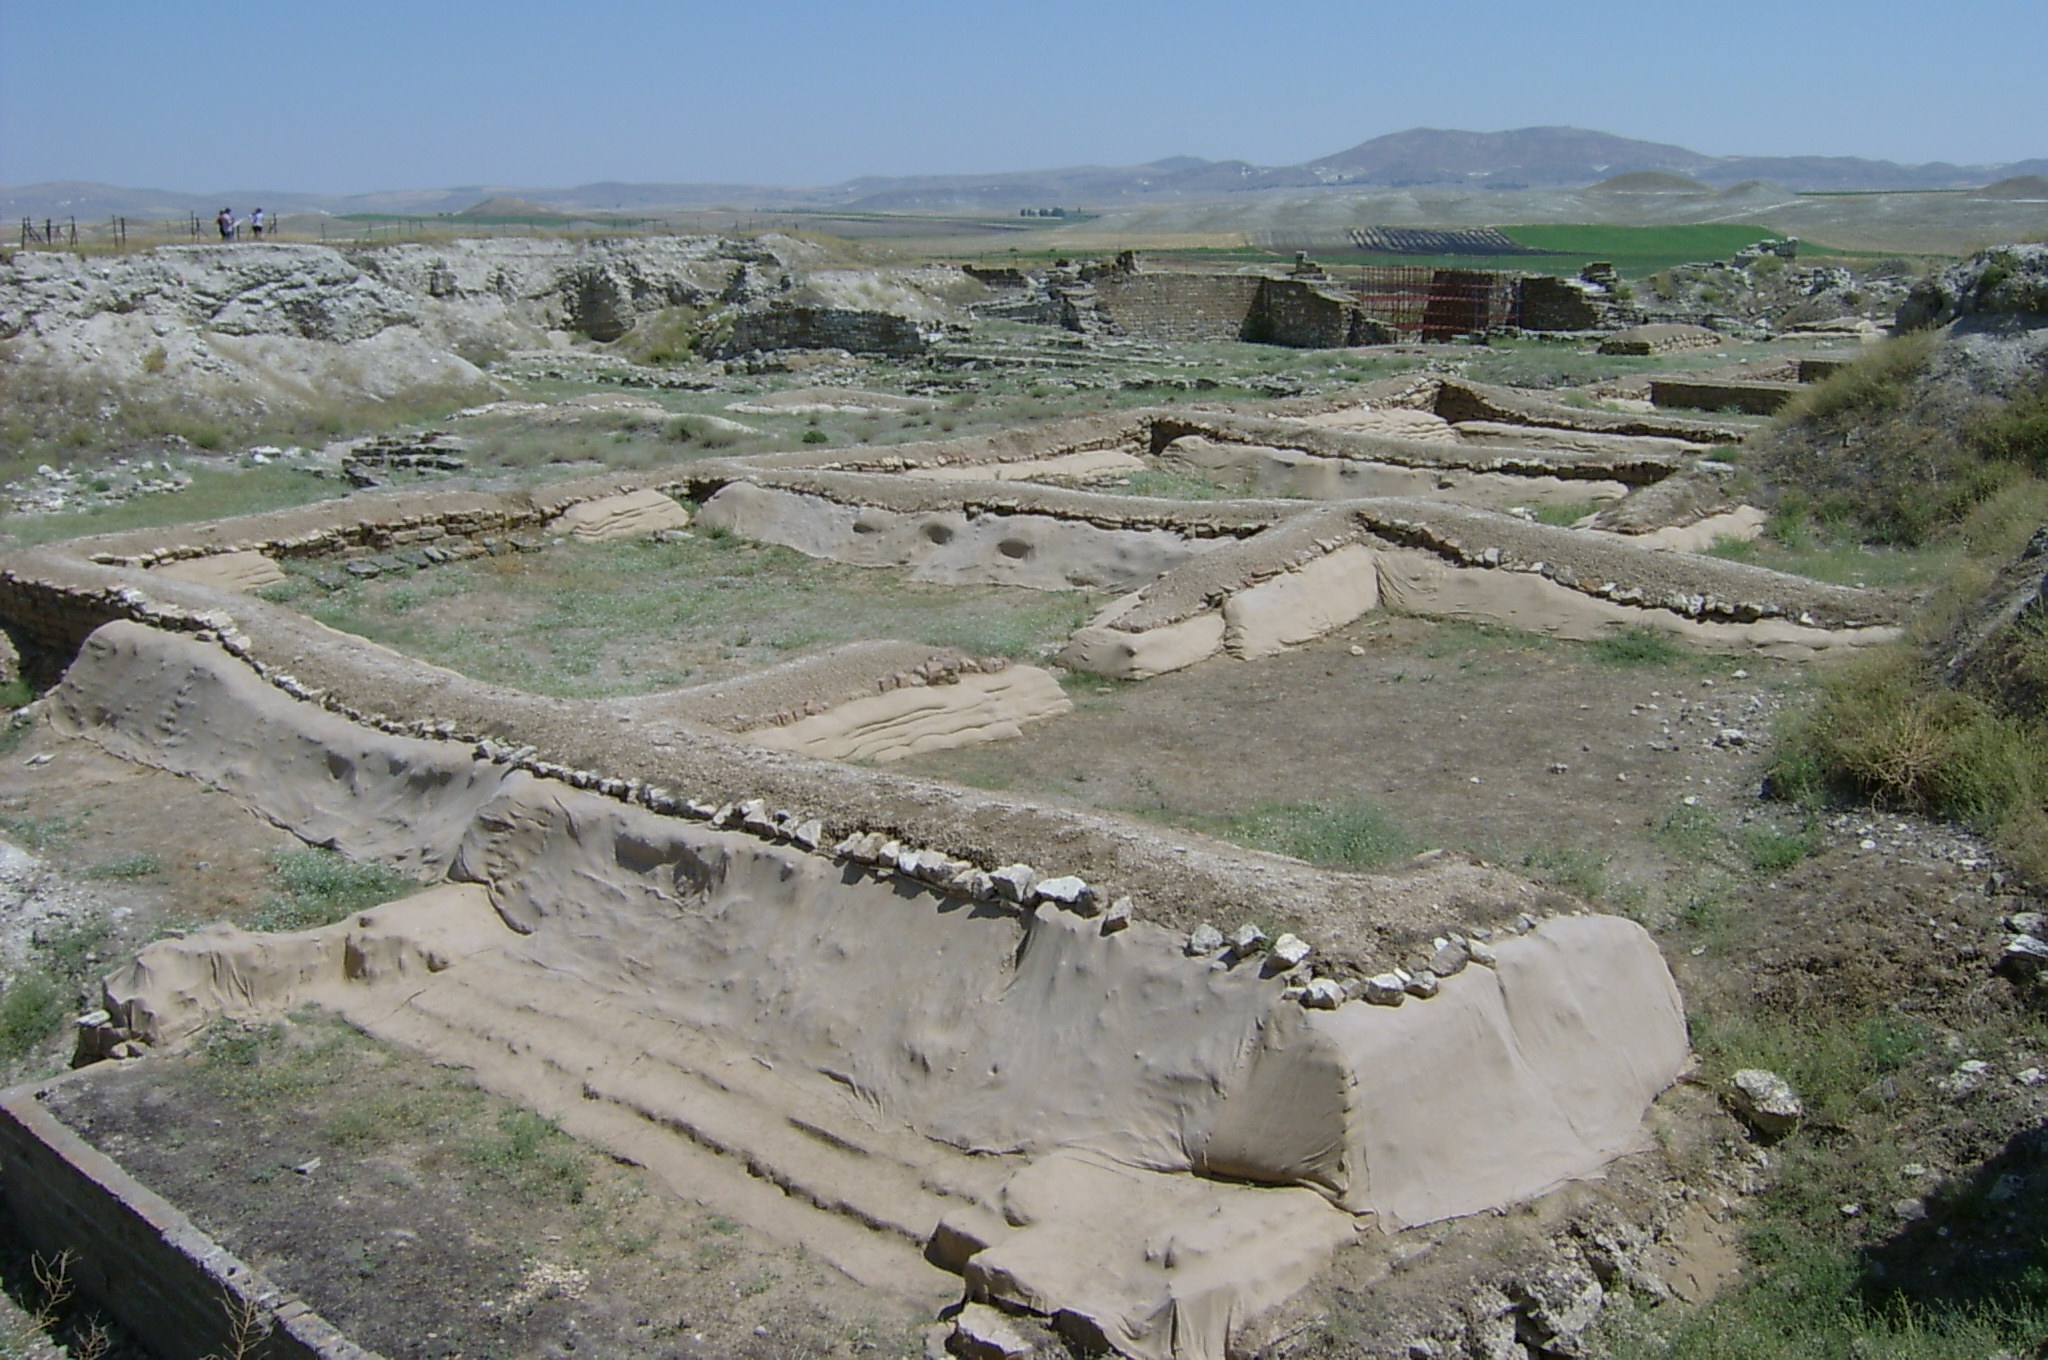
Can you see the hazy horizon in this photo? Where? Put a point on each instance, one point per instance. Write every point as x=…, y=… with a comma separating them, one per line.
x=390, y=97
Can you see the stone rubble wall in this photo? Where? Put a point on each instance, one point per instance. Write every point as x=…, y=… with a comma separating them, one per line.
x=1639, y=467
x=1303, y=314
x=853, y=330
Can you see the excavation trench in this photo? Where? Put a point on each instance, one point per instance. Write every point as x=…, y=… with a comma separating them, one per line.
x=1155, y=1148
x=845, y=1026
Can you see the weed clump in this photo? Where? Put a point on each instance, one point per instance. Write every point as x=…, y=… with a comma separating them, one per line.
x=1885, y=730
x=33, y=1005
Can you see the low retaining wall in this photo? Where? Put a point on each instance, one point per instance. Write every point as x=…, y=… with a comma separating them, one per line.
x=135, y=1257
x=1696, y=394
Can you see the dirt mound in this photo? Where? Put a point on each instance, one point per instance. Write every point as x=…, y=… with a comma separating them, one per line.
x=1911, y=436
x=279, y=326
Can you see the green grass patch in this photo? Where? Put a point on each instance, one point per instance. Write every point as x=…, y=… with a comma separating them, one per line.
x=1355, y=835
x=1810, y=1291
x=593, y=620
x=319, y=888
x=14, y=731
x=1553, y=364
x=1564, y=514
x=1807, y=1300
x=1165, y=484
x=1638, y=647
x=33, y=1005
x=530, y=1154
x=213, y=494
x=1570, y=868
x=126, y=868
x=1770, y=850
x=53, y=983
x=1691, y=832
x=1841, y=562
x=38, y=833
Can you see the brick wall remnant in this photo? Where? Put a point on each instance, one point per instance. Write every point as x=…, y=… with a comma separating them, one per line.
x=1553, y=304
x=135, y=1256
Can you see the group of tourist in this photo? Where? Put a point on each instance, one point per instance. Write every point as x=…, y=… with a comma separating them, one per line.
x=231, y=226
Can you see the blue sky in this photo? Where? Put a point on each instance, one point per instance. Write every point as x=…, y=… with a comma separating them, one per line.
x=370, y=94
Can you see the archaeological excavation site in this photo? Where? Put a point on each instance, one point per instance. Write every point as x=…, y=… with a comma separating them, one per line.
x=709, y=799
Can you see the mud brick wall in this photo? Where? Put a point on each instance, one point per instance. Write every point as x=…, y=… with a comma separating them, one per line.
x=1305, y=315
x=1293, y=312
x=135, y=1257
x=858, y=332
x=1183, y=307
x=1548, y=304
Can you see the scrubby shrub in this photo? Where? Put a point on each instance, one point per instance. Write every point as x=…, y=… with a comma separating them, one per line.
x=666, y=337
x=1884, y=730
x=2017, y=433
x=1890, y=456
x=1877, y=384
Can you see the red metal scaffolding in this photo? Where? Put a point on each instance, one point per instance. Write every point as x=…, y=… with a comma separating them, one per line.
x=1420, y=302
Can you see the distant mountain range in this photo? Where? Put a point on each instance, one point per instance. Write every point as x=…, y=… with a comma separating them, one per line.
x=1544, y=158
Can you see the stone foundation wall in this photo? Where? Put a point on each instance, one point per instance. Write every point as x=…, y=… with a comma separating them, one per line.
x=1707, y=394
